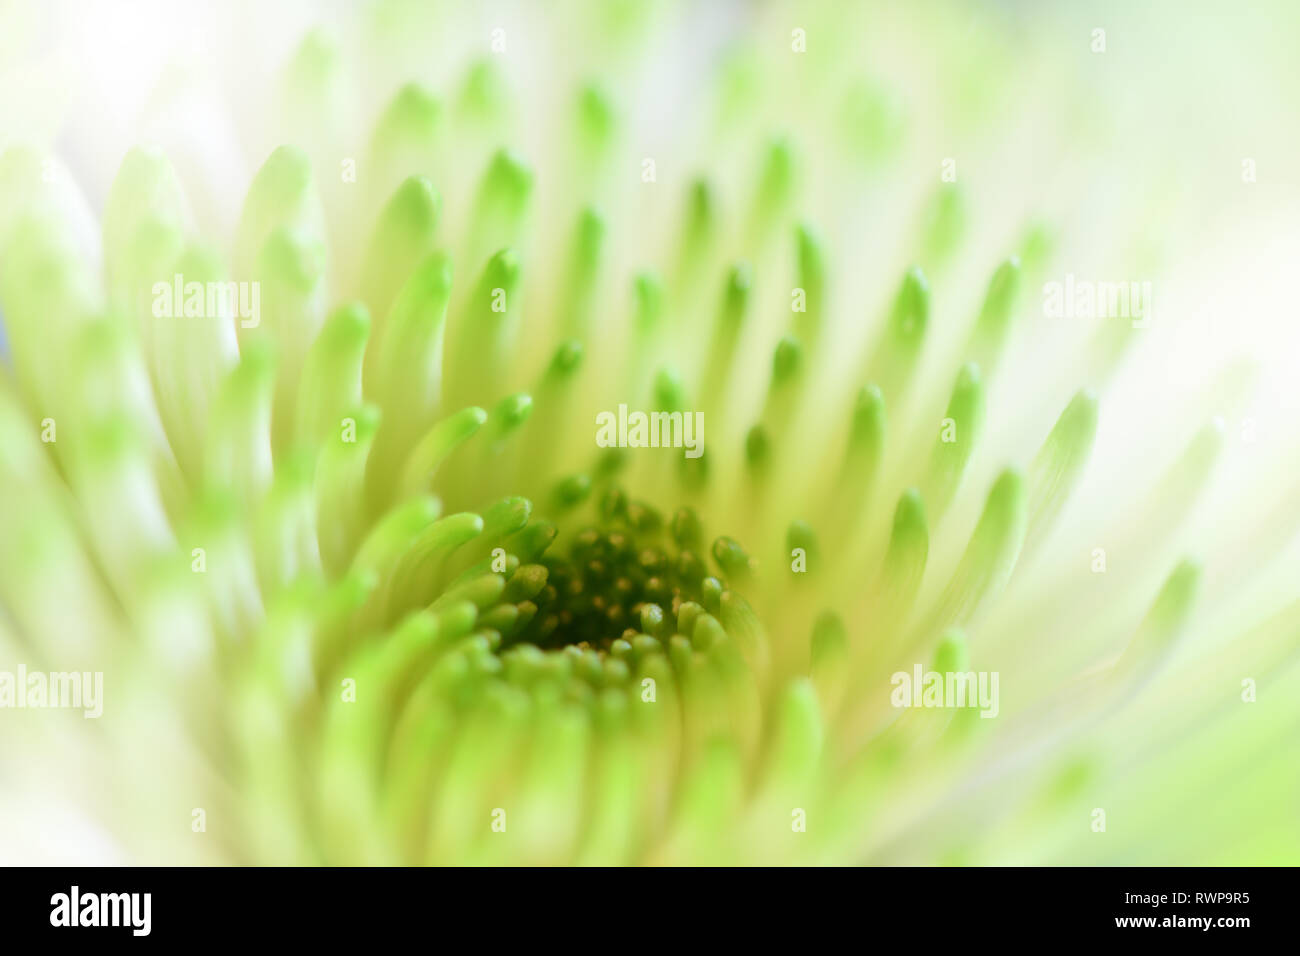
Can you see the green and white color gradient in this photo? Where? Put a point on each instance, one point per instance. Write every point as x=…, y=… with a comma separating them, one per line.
x=361, y=584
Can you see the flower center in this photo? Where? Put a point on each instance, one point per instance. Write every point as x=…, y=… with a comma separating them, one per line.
x=626, y=578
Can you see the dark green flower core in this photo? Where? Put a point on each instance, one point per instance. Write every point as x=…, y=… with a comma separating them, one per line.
x=624, y=580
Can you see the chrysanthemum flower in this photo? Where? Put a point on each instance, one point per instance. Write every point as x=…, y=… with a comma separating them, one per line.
x=310, y=470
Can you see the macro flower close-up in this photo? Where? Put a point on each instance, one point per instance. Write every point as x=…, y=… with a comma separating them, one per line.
x=649, y=433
